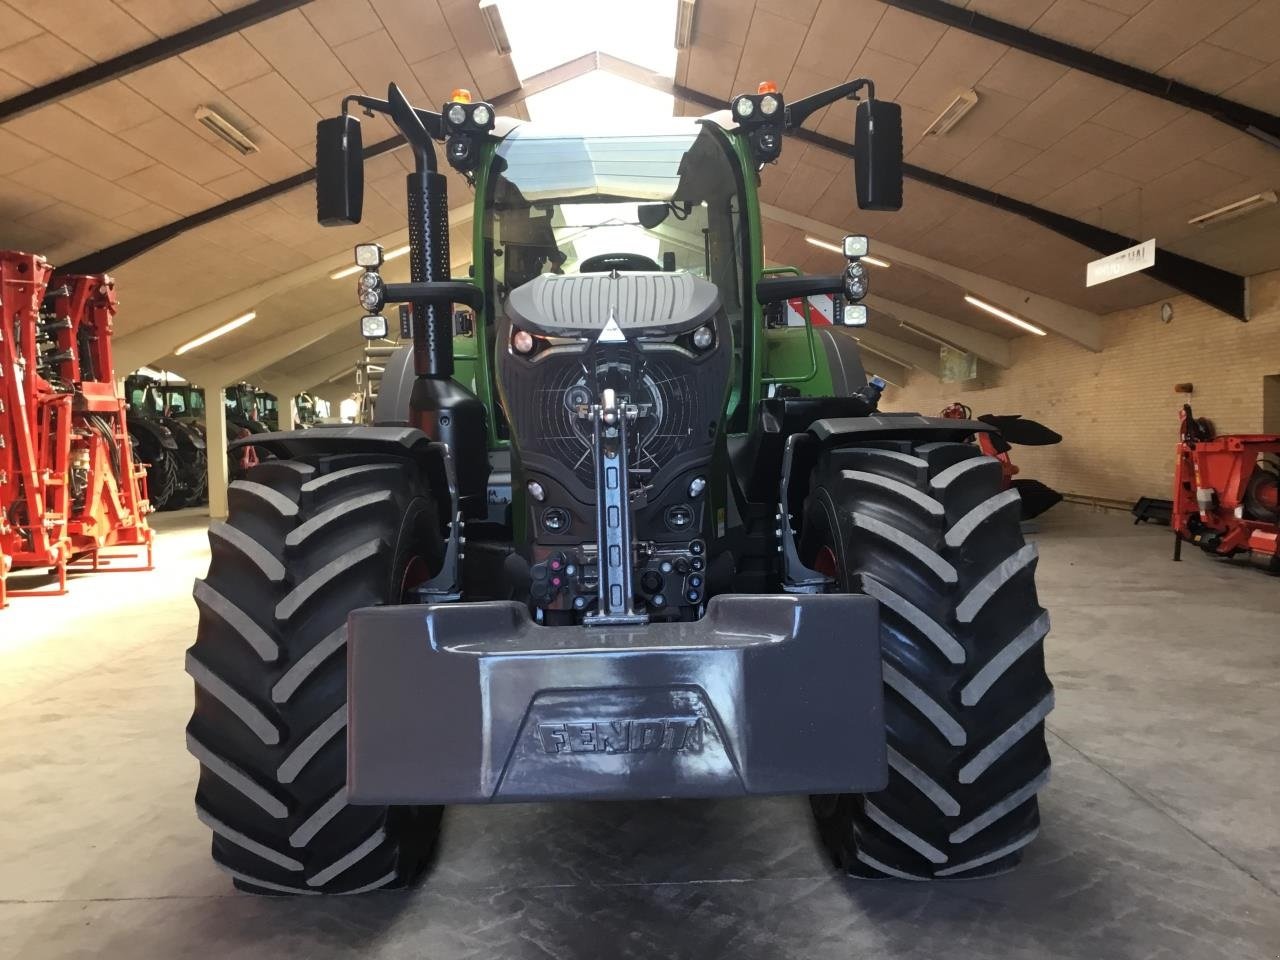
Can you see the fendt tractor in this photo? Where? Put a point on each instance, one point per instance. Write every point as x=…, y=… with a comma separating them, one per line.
x=624, y=541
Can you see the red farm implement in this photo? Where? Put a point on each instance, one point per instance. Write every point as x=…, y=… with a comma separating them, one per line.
x=1225, y=492
x=1036, y=497
x=69, y=487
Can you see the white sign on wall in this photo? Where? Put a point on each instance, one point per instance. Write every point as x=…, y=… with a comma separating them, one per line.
x=1121, y=264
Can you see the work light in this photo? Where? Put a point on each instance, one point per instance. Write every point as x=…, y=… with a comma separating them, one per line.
x=855, y=246
x=373, y=327
x=369, y=255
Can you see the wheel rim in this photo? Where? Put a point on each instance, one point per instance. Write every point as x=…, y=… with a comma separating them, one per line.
x=1269, y=494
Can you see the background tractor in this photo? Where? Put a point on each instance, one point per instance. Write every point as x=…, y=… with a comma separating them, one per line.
x=173, y=447
x=623, y=540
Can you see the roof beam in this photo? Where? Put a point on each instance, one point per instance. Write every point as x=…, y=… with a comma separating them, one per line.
x=159, y=339
x=899, y=351
x=985, y=346
x=1256, y=123
x=1074, y=323
x=888, y=370
x=146, y=55
x=109, y=258
x=241, y=365
x=296, y=381
x=1222, y=289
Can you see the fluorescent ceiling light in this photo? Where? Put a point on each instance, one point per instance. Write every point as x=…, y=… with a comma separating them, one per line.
x=353, y=270
x=338, y=376
x=215, y=333
x=226, y=131
x=493, y=20
x=834, y=248
x=1004, y=315
x=1240, y=208
x=684, y=23
x=824, y=245
x=954, y=113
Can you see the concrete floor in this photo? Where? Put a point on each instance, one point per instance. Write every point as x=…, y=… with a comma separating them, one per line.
x=1161, y=833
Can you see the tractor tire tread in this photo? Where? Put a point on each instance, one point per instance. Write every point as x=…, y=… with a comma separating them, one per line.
x=962, y=640
x=270, y=683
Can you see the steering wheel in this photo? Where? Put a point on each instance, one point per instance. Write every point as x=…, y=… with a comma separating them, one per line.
x=604, y=262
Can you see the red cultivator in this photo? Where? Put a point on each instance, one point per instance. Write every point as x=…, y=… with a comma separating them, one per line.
x=1225, y=492
x=1036, y=497
x=69, y=487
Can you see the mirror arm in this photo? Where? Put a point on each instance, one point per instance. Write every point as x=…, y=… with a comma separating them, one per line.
x=436, y=292
x=774, y=289
x=433, y=122
x=800, y=111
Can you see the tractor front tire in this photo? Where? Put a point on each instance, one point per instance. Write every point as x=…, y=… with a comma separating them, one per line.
x=306, y=542
x=194, y=488
x=928, y=531
x=162, y=481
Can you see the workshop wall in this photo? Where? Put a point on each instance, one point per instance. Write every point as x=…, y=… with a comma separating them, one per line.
x=1117, y=410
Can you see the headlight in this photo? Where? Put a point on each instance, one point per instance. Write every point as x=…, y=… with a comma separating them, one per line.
x=457, y=114
x=769, y=105
x=855, y=281
x=745, y=107
x=703, y=337
x=369, y=282
x=371, y=299
x=522, y=340
x=481, y=115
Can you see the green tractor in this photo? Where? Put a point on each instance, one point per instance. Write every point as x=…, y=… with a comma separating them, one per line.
x=622, y=539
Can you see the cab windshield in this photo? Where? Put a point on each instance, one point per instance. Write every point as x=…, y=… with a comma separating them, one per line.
x=671, y=200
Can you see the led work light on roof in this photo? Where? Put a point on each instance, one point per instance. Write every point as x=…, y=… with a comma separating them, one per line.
x=761, y=115
x=467, y=122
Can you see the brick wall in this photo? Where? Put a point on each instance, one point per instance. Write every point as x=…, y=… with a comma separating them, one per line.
x=1116, y=410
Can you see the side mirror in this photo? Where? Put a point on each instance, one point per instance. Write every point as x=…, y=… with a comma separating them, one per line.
x=339, y=171
x=877, y=155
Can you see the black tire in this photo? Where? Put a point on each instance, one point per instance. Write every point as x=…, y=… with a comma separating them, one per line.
x=306, y=542
x=195, y=480
x=162, y=480
x=1260, y=495
x=928, y=531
